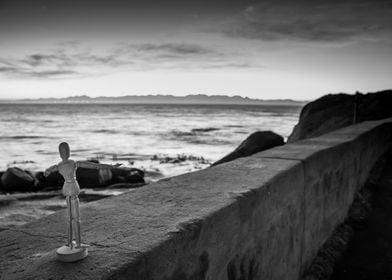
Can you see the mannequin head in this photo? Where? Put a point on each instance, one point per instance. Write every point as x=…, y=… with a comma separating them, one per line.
x=64, y=150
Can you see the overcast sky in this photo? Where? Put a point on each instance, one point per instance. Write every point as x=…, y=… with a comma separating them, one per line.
x=260, y=49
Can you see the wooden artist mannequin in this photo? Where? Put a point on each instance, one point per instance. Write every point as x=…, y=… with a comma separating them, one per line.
x=74, y=250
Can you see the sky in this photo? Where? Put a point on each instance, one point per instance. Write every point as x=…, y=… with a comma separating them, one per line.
x=260, y=49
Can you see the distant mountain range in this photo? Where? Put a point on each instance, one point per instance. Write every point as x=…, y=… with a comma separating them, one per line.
x=159, y=99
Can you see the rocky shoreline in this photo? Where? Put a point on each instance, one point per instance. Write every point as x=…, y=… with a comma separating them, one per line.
x=15, y=179
x=18, y=180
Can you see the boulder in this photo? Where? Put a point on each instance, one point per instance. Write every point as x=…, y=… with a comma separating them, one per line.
x=16, y=179
x=118, y=179
x=335, y=111
x=40, y=177
x=134, y=178
x=53, y=182
x=124, y=172
x=128, y=175
x=54, y=179
x=256, y=142
x=93, y=178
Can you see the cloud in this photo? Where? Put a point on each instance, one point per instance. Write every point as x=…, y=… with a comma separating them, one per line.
x=175, y=49
x=27, y=72
x=71, y=60
x=319, y=21
x=54, y=65
x=170, y=55
x=53, y=73
x=5, y=69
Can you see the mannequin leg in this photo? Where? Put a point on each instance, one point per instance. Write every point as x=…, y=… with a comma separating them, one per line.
x=75, y=251
x=69, y=206
x=76, y=220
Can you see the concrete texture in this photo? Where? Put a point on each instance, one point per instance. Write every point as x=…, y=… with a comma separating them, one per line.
x=261, y=217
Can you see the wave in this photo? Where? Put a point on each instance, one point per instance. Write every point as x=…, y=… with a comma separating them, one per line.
x=177, y=133
x=207, y=129
x=194, y=131
x=208, y=141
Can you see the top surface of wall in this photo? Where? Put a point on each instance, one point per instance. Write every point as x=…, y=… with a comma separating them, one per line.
x=180, y=227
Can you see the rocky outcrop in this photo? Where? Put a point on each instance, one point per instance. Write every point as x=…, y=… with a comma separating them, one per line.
x=128, y=175
x=16, y=179
x=54, y=179
x=256, y=142
x=92, y=178
x=335, y=111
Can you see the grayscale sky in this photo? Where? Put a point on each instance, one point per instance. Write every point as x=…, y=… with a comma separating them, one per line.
x=260, y=49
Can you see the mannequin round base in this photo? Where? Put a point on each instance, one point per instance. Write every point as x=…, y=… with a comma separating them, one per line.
x=68, y=254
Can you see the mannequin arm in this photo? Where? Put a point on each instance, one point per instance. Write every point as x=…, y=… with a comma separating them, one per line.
x=51, y=169
x=92, y=165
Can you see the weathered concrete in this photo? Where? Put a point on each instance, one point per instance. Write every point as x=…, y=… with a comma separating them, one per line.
x=261, y=217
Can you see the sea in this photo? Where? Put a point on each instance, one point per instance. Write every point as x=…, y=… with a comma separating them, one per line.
x=161, y=139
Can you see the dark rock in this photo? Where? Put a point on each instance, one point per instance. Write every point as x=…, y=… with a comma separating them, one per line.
x=53, y=180
x=256, y=142
x=32, y=174
x=119, y=179
x=16, y=179
x=335, y=111
x=38, y=186
x=124, y=172
x=135, y=177
x=40, y=181
x=129, y=175
x=93, y=178
x=40, y=177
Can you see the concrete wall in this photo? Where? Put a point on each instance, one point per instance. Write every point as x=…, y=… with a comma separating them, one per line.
x=261, y=217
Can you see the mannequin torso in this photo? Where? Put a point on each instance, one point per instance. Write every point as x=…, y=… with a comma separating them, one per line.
x=67, y=168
